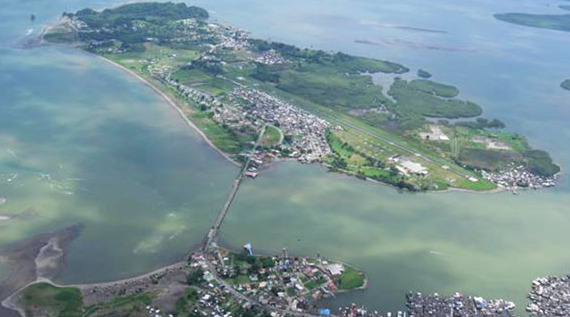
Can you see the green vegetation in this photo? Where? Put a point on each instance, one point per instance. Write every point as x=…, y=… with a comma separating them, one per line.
x=239, y=279
x=43, y=299
x=431, y=87
x=271, y=137
x=249, y=264
x=224, y=138
x=540, y=162
x=121, y=306
x=565, y=84
x=333, y=89
x=195, y=277
x=477, y=147
x=183, y=303
x=413, y=101
x=560, y=22
x=487, y=159
x=344, y=63
x=149, y=20
x=424, y=74
x=351, y=278
x=482, y=123
x=312, y=284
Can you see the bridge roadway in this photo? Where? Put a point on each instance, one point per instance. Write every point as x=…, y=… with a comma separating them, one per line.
x=213, y=233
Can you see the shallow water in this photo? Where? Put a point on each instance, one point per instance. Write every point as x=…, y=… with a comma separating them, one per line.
x=81, y=141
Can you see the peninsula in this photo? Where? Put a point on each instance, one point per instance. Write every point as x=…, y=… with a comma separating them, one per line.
x=559, y=22
x=565, y=84
x=320, y=106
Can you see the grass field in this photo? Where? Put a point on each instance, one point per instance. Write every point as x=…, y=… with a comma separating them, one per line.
x=130, y=305
x=183, y=303
x=43, y=299
x=200, y=80
x=240, y=279
x=272, y=136
x=312, y=284
x=350, y=279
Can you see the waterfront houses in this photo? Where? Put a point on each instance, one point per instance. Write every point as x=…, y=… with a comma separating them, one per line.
x=550, y=296
x=458, y=305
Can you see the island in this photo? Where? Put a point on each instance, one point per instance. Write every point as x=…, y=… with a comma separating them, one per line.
x=314, y=106
x=424, y=74
x=565, y=84
x=559, y=22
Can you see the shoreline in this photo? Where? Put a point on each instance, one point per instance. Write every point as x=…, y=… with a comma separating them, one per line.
x=172, y=103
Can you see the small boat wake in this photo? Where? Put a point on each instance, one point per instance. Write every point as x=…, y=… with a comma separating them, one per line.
x=437, y=253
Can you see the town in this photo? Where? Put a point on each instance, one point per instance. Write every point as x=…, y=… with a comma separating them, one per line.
x=518, y=177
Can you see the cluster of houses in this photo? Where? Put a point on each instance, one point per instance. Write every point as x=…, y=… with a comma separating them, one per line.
x=213, y=297
x=269, y=58
x=155, y=312
x=285, y=284
x=308, y=142
x=198, y=96
x=250, y=109
x=458, y=305
x=229, y=37
x=518, y=177
x=550, y=296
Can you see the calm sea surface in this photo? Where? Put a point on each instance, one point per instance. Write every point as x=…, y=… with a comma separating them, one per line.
x=89, y=143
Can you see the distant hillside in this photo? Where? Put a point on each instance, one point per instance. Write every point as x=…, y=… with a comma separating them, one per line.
x=152, y=12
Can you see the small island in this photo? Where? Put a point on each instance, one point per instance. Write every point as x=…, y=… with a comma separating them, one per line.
x=559, y=22
x=313, y=106
x=565, y=84
x=424, y=74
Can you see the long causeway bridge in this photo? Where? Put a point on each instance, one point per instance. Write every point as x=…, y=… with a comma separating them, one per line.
x=213, y=232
